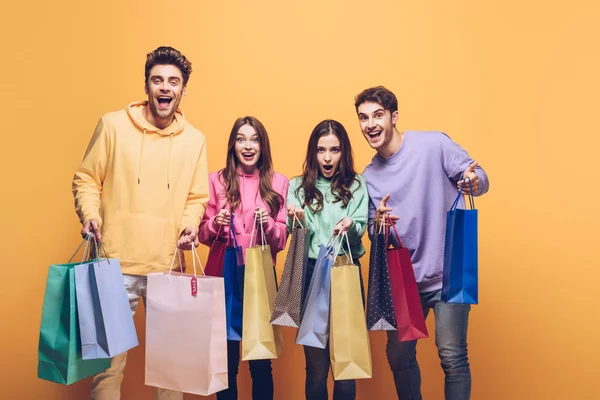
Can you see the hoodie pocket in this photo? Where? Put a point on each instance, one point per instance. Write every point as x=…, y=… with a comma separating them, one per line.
x=141, y=238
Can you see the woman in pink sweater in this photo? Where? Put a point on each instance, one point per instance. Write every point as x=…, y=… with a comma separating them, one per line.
x=249, y=188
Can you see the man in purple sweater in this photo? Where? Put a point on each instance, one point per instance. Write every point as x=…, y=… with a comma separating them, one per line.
x=414, y=177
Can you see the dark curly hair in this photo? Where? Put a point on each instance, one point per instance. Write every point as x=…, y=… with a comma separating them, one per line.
x=165, y=55
x=379, y=95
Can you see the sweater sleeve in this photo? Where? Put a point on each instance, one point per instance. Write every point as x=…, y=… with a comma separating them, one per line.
x=276, y=229
x=207, y=232
x=89, y=177
x=198, y=195
x=456, y=160
x=358, y=211
x=297, y=200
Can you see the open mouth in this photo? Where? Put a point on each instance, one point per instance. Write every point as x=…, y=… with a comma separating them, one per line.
x=374, y=135
x=164, y=102
x=328, y=168
x=248, y=156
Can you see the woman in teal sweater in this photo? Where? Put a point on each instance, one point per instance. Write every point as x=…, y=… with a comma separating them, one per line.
x=330, y=197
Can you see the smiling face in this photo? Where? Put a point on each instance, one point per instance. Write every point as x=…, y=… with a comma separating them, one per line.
x=247, y=148
x=328, y=155
x=377, y=124
x=164, y=89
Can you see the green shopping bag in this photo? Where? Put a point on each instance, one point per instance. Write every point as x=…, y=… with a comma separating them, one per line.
x=59, y=350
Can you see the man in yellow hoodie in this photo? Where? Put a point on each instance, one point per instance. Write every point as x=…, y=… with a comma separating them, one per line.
x=142, y=188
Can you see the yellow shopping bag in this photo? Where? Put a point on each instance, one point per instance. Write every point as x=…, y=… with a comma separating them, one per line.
x=349, y=346
x=260, y=339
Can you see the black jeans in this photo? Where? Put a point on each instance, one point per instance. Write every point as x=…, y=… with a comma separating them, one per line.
x=318, y=361
x=260, y=370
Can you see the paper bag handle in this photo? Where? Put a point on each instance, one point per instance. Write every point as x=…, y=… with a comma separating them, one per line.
x=87, y=248
x=387, y=232
x=471, y=198
x=262, y=232
x=341, y=236
x=294, y=222
x=194, y=257
x=173, y=259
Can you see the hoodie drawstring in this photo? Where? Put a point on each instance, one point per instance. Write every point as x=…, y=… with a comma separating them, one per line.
x=141, y=156
x=169, y=162
x=168, y=159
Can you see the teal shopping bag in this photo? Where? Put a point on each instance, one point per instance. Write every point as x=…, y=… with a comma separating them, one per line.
x=59, y=350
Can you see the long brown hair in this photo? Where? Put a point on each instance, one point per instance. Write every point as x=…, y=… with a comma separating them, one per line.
x=341, y=181
x=264, y=165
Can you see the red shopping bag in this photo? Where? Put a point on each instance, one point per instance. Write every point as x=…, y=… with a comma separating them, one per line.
x=405, y=294
x=216, y=255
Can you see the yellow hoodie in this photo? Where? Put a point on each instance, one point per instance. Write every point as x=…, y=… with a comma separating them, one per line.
x=143, y=185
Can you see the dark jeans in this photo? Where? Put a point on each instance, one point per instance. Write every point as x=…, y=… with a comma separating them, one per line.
x=451, y=322
x=318, y=361
x=260, y=370
x=317, y=369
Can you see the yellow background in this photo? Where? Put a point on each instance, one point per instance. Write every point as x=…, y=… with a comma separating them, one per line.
x=515, y=83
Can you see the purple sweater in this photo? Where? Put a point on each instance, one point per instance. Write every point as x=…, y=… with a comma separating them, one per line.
x=421, y=180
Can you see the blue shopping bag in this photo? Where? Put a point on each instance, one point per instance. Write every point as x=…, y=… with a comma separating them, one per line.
x=105, y=319
x=314, y=323
x=233, y=276
x=460, y=275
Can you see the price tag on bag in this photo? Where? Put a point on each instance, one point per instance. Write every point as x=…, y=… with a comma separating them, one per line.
x=194, y=286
